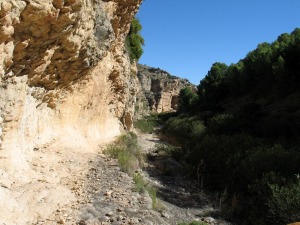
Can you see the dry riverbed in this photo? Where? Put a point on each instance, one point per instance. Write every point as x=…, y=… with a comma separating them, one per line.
x=77, y=187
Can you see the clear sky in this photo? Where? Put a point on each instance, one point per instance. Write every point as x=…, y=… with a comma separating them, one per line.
x=185, y=37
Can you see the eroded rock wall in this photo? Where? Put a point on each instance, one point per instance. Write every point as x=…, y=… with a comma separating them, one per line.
x=159, y=90
x=65, y=77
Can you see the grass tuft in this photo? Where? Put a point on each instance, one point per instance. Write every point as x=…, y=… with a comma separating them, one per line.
x=148, y=123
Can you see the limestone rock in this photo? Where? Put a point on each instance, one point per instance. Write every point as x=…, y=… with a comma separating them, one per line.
x=65, y=80
x=159, y=90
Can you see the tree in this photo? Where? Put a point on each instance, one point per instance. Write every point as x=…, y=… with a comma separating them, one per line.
x=187, y=97
x=234, y=78
x=134, y=41
x=211, y=88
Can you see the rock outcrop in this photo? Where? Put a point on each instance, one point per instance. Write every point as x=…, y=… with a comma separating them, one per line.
x=159, y=90
x=65, y=80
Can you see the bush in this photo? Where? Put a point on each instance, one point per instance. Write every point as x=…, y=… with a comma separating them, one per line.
x=222, y=154
x=222, y=124
x=127, y=162
x=127, y=151
x=284, y=203
x=187, y=98
x=153, y=195
x=169, y=150
x=147, y=124
x=184, y=128
x=140, y=184
x=129, y=141
x=113, y=150
x=134, y=41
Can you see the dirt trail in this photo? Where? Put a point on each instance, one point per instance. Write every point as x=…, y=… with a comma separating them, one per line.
x=73, y=186
x=182, y=199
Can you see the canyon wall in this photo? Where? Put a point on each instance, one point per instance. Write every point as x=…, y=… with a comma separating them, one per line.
x=159, y=91
x=64, y=70
x=65, y=78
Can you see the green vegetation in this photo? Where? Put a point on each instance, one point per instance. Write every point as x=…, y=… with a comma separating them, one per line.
x=184, y=128
x=271, y=72
x=142, y=186
x=241, y=133
x=134, y=41
x=148, y=123
x=187, y=98
x=127, y=151
x=284, y=204
x=169, y=150
x=153, y=195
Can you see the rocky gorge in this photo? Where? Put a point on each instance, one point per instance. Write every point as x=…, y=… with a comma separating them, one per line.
x=159, y=90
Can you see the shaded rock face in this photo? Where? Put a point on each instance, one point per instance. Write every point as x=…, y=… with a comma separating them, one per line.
x=65, y=76
x=159, y=90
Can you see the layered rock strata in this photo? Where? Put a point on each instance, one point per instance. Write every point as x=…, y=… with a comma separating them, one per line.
x=159, y=90
x=65, y=80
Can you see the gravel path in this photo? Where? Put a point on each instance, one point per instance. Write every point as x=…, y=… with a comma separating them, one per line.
x=102, y=194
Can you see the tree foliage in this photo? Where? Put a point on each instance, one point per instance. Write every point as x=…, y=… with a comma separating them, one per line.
x=211, y=88
x=187, y=98
x=245, y=127
x=134, y=40
x=270, y=70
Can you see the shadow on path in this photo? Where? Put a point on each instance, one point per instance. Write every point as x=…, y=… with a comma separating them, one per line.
x=176, y=187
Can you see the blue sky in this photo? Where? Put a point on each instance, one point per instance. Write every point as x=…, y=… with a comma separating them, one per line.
x=185, y=37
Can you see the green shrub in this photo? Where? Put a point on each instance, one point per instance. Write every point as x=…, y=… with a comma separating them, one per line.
x=148, y=123
x=127, y=162
x=184, y=128
x=129, y=141
x=281, y=124
x=153, y=195
x=140, y=184
x=127, y=151
x=145, y=125
x=113, y=150
x=284, y=203
x=169, y=150
x=222, y=154
x=134, y=40
x=187, y=99
x=221, y=124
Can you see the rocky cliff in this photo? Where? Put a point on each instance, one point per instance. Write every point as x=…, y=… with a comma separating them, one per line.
x=158, y=91
x=65, y=80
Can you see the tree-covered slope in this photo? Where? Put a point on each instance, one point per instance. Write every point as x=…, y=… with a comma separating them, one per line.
x=244, y=127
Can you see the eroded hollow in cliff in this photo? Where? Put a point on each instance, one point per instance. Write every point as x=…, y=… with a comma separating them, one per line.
x=174, y=102
x=128, y=121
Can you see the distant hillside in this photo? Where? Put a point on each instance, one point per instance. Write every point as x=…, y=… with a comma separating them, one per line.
x=159, y=90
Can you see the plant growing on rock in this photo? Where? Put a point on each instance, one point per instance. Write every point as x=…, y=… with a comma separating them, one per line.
x=134, y=41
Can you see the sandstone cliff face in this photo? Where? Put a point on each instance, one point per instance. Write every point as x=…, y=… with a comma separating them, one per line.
x=65, y=78
x=159, y=90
